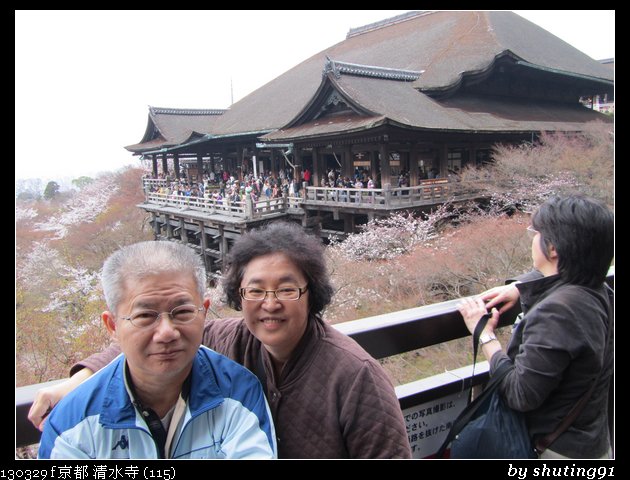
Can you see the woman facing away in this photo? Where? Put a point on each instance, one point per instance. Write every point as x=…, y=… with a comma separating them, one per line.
x=328, y=397
x=561, y=344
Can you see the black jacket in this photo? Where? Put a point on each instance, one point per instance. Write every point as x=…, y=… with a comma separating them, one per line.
x=558, y=349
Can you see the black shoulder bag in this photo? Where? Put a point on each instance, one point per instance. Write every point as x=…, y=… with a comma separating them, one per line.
x=488, y=428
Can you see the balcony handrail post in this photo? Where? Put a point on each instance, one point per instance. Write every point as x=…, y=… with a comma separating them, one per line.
x=249, y=207
x=387, y=193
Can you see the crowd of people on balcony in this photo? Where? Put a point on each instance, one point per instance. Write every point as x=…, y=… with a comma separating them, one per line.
x=224, y=186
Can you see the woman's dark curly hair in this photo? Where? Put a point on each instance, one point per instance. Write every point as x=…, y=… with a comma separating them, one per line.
x=304, y=250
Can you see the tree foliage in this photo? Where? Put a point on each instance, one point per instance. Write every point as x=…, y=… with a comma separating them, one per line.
x=60, y=249
x=51, y=190
x=82, y=181
x=29, y=188
x=521, y=177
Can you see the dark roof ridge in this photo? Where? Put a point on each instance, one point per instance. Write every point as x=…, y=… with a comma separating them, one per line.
x=186, y=111
x=386, y=22
x=337, y=68
x=564, y=72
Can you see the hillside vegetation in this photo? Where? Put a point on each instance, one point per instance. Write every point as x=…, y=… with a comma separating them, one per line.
x=61, y=245
x=399, y=263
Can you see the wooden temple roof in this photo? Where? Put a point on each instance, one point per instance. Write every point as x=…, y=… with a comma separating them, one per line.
x=421, y=70
x=379, y=101
x=173, y=126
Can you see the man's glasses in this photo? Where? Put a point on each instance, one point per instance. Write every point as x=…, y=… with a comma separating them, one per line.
x=285, y=293
x=179, y=316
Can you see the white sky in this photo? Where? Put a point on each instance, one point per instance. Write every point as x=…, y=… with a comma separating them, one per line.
x=84, y=79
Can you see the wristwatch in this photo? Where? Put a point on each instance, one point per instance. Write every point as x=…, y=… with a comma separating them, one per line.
x=486, y=337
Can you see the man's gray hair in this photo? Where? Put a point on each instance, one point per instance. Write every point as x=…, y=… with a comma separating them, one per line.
x=148, y=258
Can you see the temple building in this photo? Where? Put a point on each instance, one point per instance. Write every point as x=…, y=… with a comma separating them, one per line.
x=420, y=95
x=427, y=90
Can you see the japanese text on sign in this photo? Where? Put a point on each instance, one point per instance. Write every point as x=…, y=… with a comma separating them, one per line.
x=429, y=423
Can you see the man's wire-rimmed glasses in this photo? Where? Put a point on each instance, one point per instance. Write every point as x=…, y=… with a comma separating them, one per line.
x=180, y=315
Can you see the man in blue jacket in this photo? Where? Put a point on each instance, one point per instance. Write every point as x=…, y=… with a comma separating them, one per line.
x=165, y=396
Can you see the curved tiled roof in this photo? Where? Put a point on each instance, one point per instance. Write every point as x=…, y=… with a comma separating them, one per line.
x=408, y=108
x=393, y=68
x=444, y=46
x=172, y=126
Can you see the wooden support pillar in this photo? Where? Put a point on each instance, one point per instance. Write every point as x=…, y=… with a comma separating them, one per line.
x=347, y=168
x=240, y=151
x=230, y=165
x=472, y=154
x=273, y=166
x=413, y=165
x=443, y=160
x=224, y=162
x=373, y=156
x=321, y=171
x=298, y=162
x=182, y=231
x=169, y=227
x=315, y=172
x=154, y=162
x=199, y=167
x=255, y=161
x=386, y=175
x=155, y=218
x=348, y=223
x=204, y=245
x=176, y=165
x=223, y=245
x=164, y=164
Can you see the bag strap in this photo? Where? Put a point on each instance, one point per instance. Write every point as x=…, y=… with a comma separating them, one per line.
x=543, y=443
x=481, y=324
x=471, y=409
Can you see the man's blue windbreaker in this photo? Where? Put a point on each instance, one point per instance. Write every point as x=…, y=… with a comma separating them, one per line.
x=226, y=416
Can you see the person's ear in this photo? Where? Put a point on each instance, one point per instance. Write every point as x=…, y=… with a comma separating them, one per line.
x=552, y=253
x=110, y=323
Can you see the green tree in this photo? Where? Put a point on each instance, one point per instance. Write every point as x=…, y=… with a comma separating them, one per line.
x=82, y=181
x=51, y=190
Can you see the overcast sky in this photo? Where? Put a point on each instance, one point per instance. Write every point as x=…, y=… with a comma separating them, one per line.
x=84, y=79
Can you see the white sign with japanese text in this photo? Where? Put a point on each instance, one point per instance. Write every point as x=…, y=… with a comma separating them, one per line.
x=429, y=423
